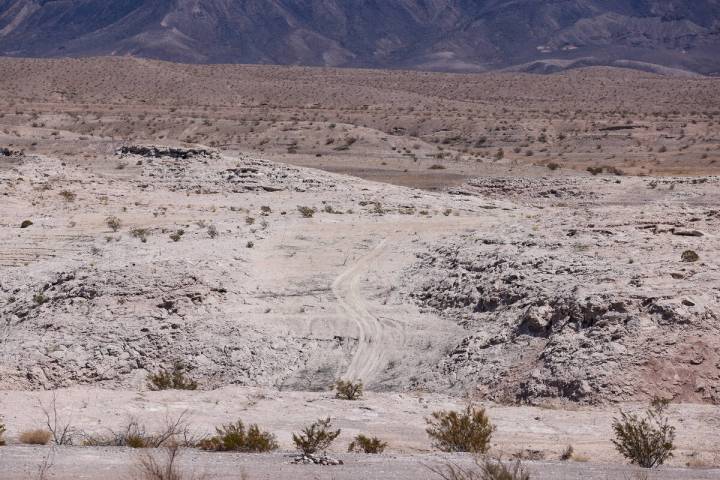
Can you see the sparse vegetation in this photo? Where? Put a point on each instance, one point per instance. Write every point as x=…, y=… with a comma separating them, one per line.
x=212, y=231
x=365, y=444
x=161, y=465
x=35, y=437
x=173, y=379
x=68, y=196
x=2, y=433
x=177, y=235
x=316, y=438
x=174, y=431
x=645, y=440
x=113, y=223
x=306, y=212
x=140, y=233
x=236, y=438
x=466, y=431
x=486, y=469
x=689, y=256
x=348, y=390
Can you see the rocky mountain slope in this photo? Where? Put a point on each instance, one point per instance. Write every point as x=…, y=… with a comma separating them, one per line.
x=456, y=35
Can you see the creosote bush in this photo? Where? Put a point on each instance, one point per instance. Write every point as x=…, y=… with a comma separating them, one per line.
x=236, y=438
x=316, y=438
x=645, y=440
x=348, y=390
x=173, y=379
x=35, y=437
x=364, y=444
x=466, y=431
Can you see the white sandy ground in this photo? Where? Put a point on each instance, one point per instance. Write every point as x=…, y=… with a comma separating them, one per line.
x=397, y=418
x=306, y=283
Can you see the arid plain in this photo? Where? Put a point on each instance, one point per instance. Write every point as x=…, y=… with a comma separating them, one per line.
x=545, y=246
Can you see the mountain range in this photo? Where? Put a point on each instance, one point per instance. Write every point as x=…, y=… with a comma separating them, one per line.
x=448, y=35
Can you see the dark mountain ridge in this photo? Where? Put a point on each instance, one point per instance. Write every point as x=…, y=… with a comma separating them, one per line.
x=453, y=35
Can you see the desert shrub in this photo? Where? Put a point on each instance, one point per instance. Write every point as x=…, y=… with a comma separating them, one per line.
x=467, y=431
x=364, y=444
x=689, y=256
x=177, y=235
x=595, y=170
x=482, y=470
x=113, y=223
x=315, y=438
x=174, y=431
x=235, y=438
x=35, y=437
x=140, y=233
x=2, y=433
x=26, y=224
x=68, y=195
x=436, y=166
x=553, y=166
x=348, y=390
x=645, y=440
x=163, y=465
x=39, y=298
x=306, y=212
x=567, y=454
x=212, y=231
x=173, y=379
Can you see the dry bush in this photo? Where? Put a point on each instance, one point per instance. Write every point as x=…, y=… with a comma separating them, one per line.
x=113, y=223
x=567, y=454
x=689, y=256
x=2, y=433
x=162, y=465
x=315, y=438
x=306, y=212
x=173, y=379
x=467, y=431
x=35, y=437
x=68, y=195
x=61, y=430
x=140, y=233
x=348, y=390
x=235, y=438
x=646, y=441
x=482, y=470
x=174, y=431
x=364, y=444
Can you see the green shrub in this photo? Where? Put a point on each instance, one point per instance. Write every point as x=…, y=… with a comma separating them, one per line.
x=467, y=431
x=173, y=379
x=235, y=438
x=363, y=444
x=315, y=438
x=645, y=440
x=348, y=390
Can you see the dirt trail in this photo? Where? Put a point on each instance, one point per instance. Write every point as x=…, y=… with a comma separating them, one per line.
x=373, y=341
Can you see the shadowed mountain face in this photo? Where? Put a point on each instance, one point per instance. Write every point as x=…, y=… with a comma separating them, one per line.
x=455, y=35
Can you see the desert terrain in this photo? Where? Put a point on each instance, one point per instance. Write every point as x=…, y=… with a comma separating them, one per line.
x=543, y=246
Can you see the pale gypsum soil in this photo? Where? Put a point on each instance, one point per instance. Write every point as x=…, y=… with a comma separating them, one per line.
x=577, y=290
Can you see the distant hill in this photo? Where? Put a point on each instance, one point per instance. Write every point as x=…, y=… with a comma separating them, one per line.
x=448, y=35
